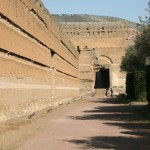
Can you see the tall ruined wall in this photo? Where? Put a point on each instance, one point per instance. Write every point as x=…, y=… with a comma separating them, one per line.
x=39, y=66
x=87, y=63
x=108, y=41
x=100, y=35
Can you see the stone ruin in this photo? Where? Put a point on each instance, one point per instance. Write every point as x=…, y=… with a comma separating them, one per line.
x=41, y=68
x=101, y=46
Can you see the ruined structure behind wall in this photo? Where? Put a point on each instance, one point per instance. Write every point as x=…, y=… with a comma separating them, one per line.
x=39, y=66
x=106, y=41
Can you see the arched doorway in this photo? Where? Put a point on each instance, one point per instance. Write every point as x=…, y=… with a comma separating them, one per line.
x=103, y=75
x=102, y=78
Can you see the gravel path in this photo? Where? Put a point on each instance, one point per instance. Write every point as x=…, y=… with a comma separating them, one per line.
x=97, y=123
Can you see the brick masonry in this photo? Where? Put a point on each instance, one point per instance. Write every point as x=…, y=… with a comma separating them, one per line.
x=39, y=65
x=101, y=44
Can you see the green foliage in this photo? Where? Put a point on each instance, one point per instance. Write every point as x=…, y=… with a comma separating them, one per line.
x=130, y=85
x=142, y=45
x=134, y=61
x=136, y=86
x=90, y=18
x=146, y=21
x=130, y=61
x=135, y=55
x=148, y=82
x=139, y=86
x=72, y=18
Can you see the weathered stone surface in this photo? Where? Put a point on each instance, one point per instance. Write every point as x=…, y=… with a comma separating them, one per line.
x=101, y=45
x=39, y=65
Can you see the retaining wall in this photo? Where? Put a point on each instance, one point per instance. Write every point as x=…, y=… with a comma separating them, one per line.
x=39, y=65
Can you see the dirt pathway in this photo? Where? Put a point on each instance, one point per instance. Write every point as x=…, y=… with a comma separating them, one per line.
x=86, y=125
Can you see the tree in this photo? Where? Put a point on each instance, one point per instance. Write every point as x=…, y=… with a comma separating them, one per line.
x=146, y=21
x=142, y=46
x=134, y=62
x=135, y=55
x=130, y=60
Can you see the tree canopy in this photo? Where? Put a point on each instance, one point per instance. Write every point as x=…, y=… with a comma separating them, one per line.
x=136, y=54
x=146, y=20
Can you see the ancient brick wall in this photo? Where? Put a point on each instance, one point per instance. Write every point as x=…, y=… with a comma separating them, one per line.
x=87, y=62
x=39, y=65
x=108, y=41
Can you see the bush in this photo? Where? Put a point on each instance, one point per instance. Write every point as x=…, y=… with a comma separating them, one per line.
x=139, y=86
x=136, y=86
x=130, y=85
x=148, y=82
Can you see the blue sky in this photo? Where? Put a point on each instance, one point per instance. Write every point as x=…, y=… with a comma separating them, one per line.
x=126, y=9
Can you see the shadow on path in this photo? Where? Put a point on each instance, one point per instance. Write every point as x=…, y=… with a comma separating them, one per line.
x=117, y=143
x=134, y=136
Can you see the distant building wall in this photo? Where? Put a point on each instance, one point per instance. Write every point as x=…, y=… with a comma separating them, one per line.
x=108, y=41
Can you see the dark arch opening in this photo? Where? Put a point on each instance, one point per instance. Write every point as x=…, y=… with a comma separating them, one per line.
x=102, y=78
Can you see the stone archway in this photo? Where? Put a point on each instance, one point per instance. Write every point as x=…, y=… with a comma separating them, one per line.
x=105, y=60
x=103, y=78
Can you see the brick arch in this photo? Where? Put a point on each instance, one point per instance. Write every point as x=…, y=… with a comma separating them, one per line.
x=104, y=58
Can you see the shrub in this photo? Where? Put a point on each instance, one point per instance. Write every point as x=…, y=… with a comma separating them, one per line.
x=139, y=86
x=130, y=85
x=136, y=86
x=148, y=83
